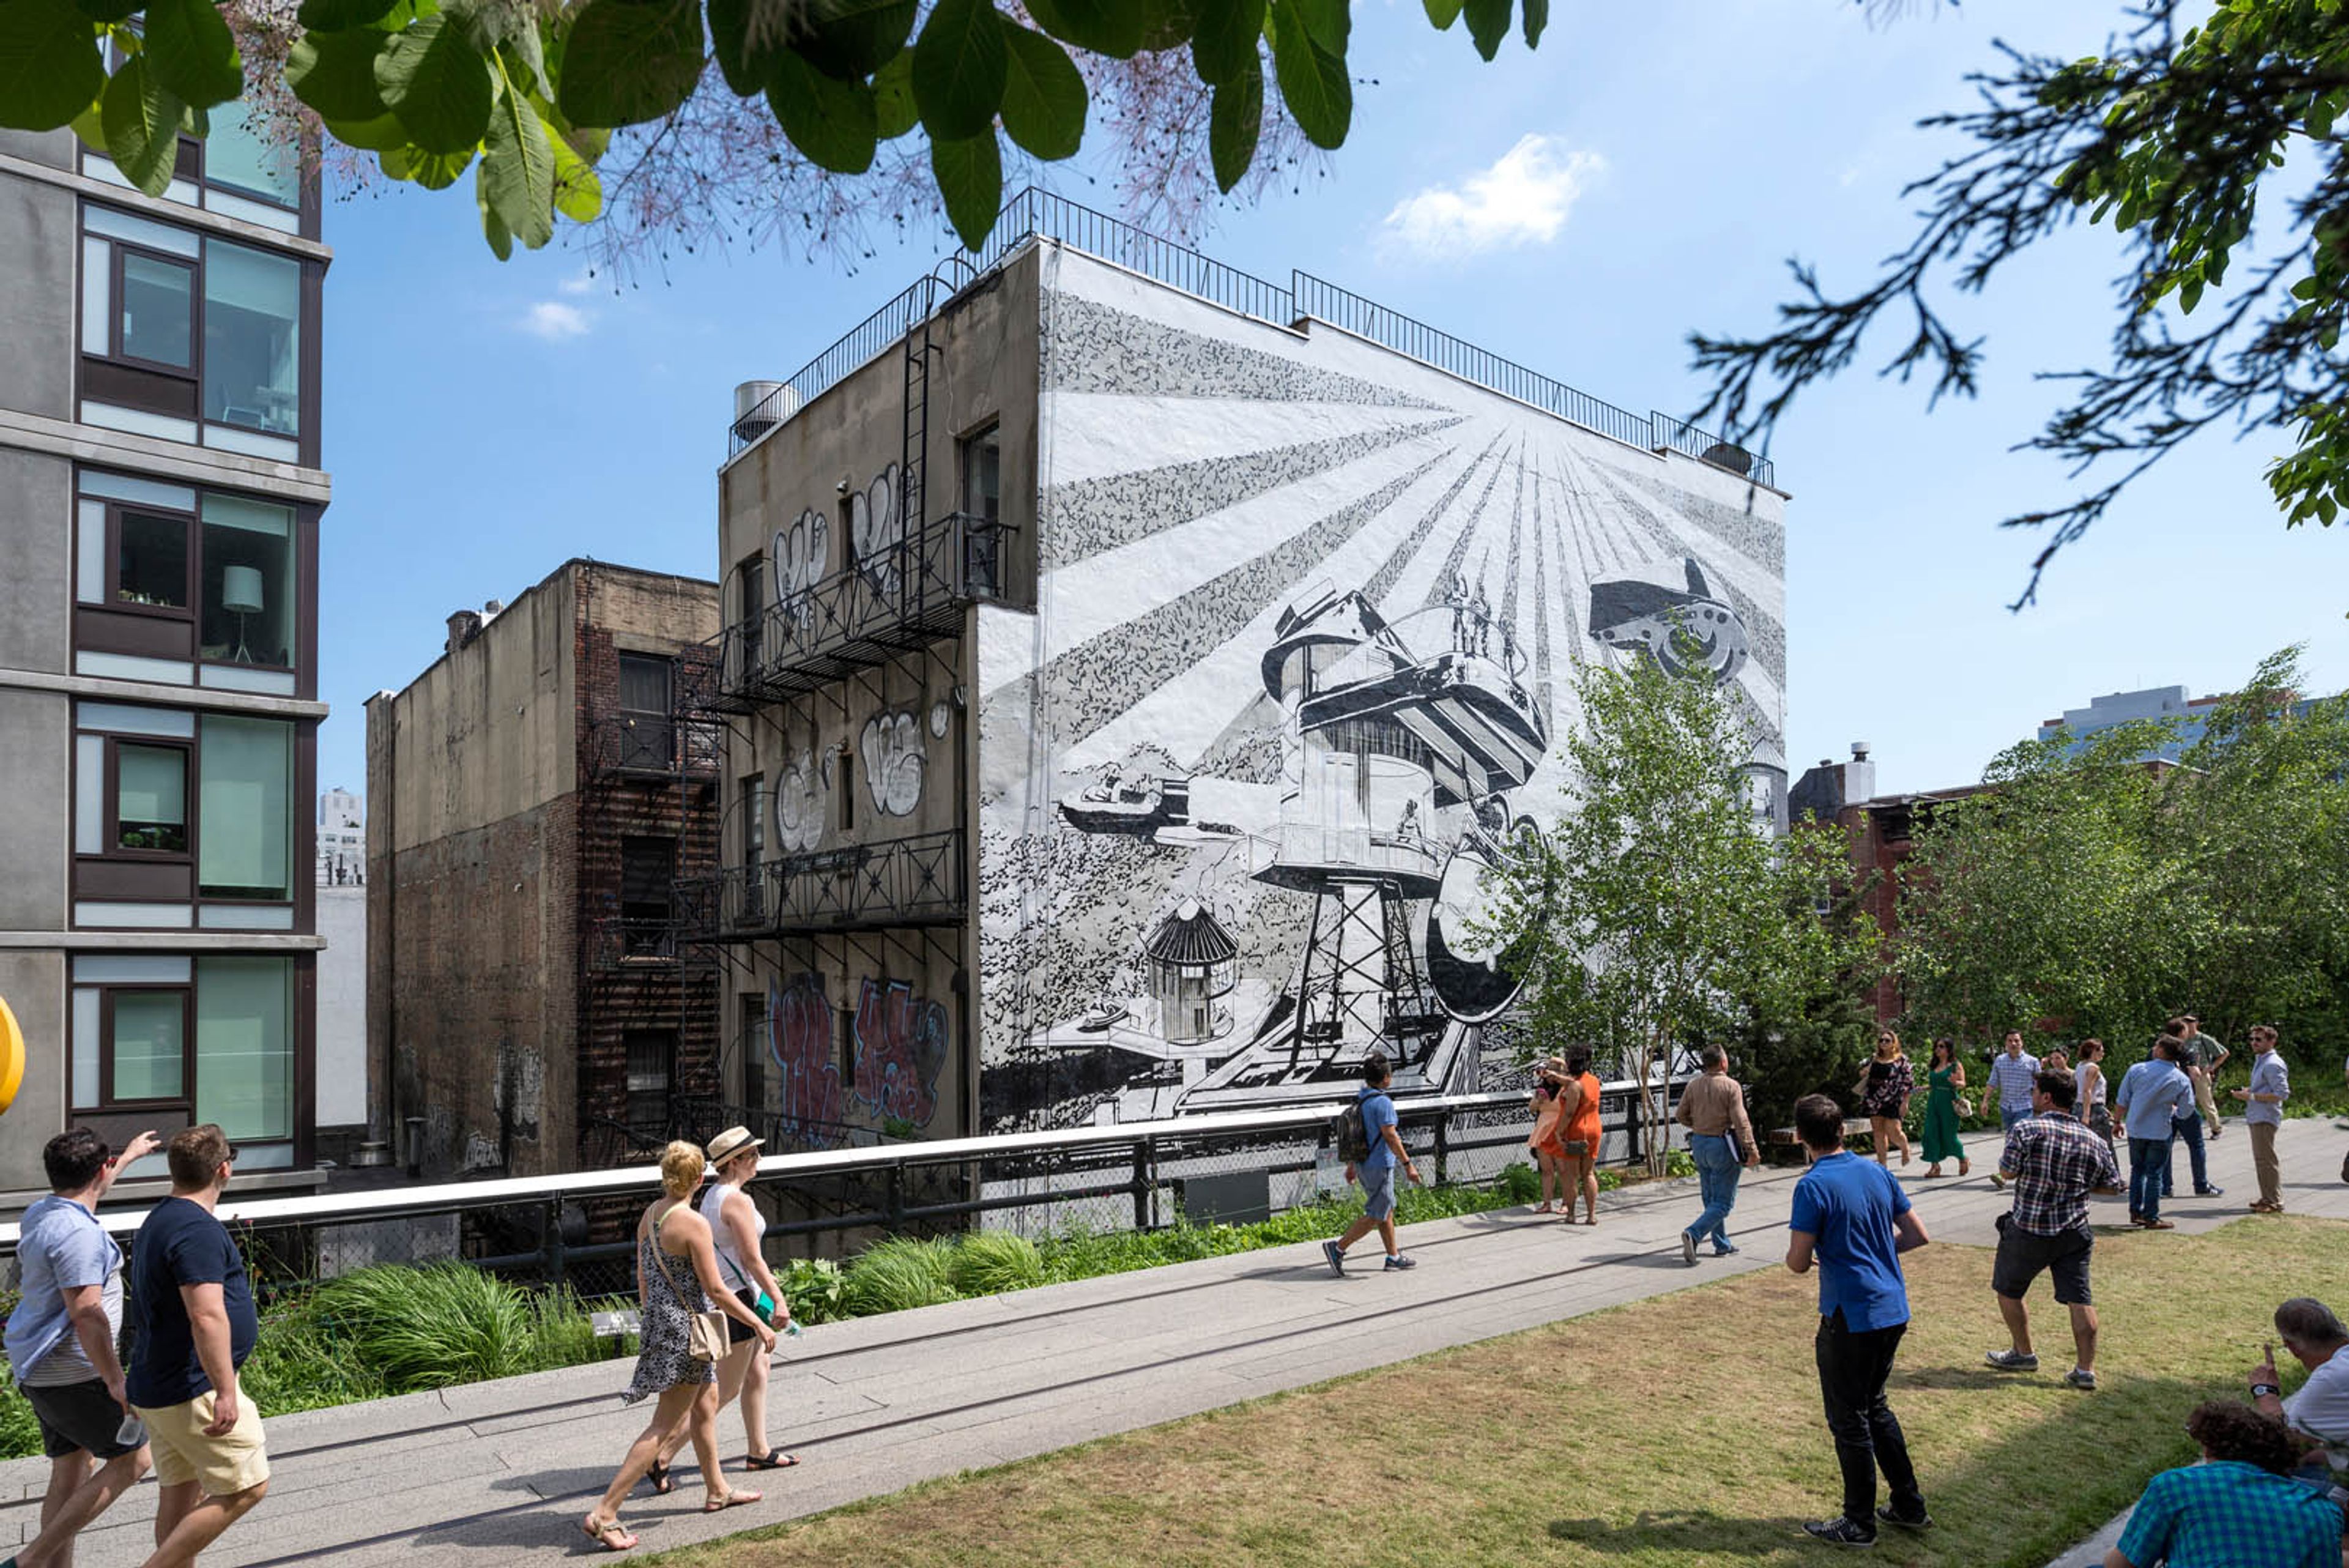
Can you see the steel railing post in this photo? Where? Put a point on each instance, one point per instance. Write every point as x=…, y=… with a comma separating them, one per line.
x=1145, y=1191
x=1442, y=1148
x=550, y=1244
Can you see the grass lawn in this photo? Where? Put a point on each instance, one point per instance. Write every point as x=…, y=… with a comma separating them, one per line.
x=1684, y=1430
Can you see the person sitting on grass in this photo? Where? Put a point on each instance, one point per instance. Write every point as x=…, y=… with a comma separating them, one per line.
x=2317, y=1339
x=2237, y=1509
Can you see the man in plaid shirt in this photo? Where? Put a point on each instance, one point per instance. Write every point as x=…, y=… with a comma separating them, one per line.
x=2054, y=1162
x=2235, y=1510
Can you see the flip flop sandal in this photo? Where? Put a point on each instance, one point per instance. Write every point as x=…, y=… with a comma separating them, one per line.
x=658, y=1475
x=612, y=1537
x=736, y=1498
x=772, y=1459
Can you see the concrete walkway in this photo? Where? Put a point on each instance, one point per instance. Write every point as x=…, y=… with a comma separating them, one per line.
x=500, y=1473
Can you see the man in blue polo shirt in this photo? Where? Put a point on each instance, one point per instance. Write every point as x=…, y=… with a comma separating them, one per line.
x=1851, y=1218
x=2151, y=1096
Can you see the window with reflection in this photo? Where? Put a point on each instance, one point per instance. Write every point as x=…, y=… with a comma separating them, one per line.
x=253, y=338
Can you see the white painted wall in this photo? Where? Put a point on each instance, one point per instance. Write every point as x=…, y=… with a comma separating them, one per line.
x=342, y=1007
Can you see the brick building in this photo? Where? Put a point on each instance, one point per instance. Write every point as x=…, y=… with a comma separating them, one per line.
x=532, y=799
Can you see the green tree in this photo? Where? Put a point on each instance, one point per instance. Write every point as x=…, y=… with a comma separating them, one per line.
x=2173, y=134
x=1659, y=911
x=526, y=94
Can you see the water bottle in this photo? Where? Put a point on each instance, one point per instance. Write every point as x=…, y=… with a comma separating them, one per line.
x=791, y=1327
x=132, y=1433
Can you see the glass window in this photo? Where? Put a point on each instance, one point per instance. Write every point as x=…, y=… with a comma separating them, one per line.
x=150, y=560
x=244, y=1045
x=750, y=808
x=245, y=796
x=982, y=474
x=157, y=310
x=149, y=1045
x=647, y=867
x=249, y=585
x=239, y=156
x=253, y=338
x=644, y=683
x=150, y=799
x=651, y=1054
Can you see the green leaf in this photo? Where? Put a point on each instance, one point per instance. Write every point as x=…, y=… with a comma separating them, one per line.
x=1330, y=23
x=1442, y=13
x=433, y=171
x=893, y=97
x=578, y=189
x=1169, y=23
x=380, y=134
x=1488, y=24
x=1044, y=99
x=628, y=61
x=959, y=64
x=835, y=122
x=969, y=173
x=1537, y=21
x=852, y=39
x=744, y=63
x=109, y=10
x=1313, y=82
x=334, y=73
x=516, y=176
x=191, y=52
x=87, y=127
x=1229, y=36
x=440, y=87
x=1234, y=122
x=141, y=121
x=50, y=65
x=1111, y=28
x=334, y=16
x=493, y=227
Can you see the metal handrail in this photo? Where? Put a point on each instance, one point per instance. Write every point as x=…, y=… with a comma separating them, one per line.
x=451, y=1198
x=917, y=878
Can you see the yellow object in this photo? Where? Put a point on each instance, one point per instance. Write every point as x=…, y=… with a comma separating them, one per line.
x=12, y=1057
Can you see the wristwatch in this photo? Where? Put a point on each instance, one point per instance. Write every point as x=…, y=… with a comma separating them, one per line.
x=2261, y=1390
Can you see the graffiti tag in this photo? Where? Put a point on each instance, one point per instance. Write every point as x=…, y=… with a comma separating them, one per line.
x=891, y=749
x=901, y=1045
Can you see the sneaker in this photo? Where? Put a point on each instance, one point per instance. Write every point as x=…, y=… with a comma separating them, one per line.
x=2080, y=1377
x=2209, y=1192
x=1841, y=1531
x=1336, y=1258
x=1920, y=1520
x=1726, y=1250
x=2156, y=1225
x=1688, y=1249
x=2012, y=1360
x=1397, y=1260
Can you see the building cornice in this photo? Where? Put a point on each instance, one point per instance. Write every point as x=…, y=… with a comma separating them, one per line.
x=147, y=455
x=165, y=212
x=207, y=697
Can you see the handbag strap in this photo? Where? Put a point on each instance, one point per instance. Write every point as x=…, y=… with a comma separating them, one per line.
x=660, y=1259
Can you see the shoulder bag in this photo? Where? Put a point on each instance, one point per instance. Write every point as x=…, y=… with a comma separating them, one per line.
x=705, y=1338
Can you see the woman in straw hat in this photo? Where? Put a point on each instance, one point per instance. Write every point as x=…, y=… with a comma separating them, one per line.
x=671, y=1238
x=736, y=1226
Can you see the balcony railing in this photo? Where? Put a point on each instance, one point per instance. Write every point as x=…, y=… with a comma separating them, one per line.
x=617, y=942
x=884, y=602
x=660, y=745
x=915, y=881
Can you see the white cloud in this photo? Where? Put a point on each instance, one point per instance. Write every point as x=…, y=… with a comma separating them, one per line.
x=555, y=321
x=578, y=283
x=1523, y=199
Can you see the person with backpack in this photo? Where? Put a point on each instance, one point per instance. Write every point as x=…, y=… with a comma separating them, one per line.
x=1371, y=1148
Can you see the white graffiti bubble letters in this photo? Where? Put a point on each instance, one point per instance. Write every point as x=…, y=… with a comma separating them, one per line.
x=876, y=530
x=801, y=795
x=891, y=746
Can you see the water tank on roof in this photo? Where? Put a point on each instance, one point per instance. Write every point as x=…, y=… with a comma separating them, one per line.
x=760, y=407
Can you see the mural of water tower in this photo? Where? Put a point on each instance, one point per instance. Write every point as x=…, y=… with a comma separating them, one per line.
x=1193, y=962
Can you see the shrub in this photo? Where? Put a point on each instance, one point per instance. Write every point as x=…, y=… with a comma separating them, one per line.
x=992, y=1262
x=1679, y=1162
x=20, y=1429
x=814, y=1288
x=897, y=1275
x=430, y=1327
x=559, y=1332
x=299, y=1362
x=1518, y=1184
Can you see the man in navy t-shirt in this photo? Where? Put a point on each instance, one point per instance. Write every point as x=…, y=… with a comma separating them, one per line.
x=1377, y=1171
x=1851, y=1218
x=193, y=1311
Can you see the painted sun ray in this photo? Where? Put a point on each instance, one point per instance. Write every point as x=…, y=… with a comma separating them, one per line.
x=1105, y=434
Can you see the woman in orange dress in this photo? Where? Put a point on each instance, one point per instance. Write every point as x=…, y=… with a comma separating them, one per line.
x=1548, y=1148
x=1579, y=1102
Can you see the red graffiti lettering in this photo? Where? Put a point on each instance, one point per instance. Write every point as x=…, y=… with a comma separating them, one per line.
x=901, y=1045
x=799, y=1025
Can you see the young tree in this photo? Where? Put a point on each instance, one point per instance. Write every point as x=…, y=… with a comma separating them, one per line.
x=527, y=93
x=2173, y=133
x=1659, y=910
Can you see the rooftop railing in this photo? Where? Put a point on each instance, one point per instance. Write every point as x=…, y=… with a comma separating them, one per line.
x=1037, y=213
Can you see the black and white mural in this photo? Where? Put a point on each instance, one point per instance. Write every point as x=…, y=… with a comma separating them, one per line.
x=1307, y=618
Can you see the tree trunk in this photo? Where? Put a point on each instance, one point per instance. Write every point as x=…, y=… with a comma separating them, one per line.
x=1651, y=1099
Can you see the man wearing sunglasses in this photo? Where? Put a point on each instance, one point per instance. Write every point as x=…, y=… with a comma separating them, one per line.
x=196, y=1325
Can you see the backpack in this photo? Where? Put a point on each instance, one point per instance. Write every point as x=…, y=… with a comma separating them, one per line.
x=1351, y=1134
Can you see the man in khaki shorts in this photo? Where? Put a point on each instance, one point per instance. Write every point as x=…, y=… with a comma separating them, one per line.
x=196, y=1325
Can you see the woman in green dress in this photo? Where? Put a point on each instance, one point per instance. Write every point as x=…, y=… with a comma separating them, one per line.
x=1945, y=1078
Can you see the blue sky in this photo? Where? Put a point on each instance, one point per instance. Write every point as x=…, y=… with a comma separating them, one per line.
x=484, y=422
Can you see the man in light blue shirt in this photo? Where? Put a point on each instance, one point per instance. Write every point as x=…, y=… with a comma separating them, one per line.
x=2013, y=1074
x=2263, y=1113
x=2151, y=1096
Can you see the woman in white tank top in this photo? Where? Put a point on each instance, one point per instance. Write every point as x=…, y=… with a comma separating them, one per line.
x=737, y=1226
